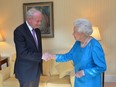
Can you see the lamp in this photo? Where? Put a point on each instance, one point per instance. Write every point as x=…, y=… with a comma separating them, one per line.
x=96, y=33
x=1, y=38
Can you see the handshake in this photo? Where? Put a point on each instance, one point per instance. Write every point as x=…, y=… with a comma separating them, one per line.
x=46, y=56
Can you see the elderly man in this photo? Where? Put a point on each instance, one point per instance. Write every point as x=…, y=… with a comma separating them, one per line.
x=27, y=39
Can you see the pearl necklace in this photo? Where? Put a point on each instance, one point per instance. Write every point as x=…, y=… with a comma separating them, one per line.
x=85, y=42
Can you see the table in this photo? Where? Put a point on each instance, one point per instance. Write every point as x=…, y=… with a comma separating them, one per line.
x=3, y=60
x=103, y=79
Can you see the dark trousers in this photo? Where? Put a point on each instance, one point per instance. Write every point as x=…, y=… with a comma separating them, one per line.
x=33, y=83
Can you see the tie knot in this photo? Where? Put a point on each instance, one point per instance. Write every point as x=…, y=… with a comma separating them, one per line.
x=33, y=30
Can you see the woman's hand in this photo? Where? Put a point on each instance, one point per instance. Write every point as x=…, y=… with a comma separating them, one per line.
x=79, y=74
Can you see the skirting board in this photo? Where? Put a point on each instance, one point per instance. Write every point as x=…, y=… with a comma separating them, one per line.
x=110, y=78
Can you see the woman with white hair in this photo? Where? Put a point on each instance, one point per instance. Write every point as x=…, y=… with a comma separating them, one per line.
x=87, y=55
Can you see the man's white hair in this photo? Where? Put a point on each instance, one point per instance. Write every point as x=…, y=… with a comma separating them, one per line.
x=84, y=26
x=31, y=12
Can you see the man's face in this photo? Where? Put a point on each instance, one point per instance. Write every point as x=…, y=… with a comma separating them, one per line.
x=35, y=20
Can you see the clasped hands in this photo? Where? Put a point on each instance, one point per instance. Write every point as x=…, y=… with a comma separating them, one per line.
x=47, y=56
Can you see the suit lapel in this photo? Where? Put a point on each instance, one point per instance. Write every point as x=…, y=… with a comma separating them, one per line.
x=29, y=35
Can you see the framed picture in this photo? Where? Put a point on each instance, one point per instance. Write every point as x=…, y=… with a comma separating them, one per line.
x=47, y=26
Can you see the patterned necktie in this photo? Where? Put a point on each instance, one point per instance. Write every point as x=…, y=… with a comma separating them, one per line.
x=35, y=37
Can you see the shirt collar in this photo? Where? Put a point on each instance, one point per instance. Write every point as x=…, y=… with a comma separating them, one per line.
x=30, y=28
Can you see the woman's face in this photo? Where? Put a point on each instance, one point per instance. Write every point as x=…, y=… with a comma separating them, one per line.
x=76, y=34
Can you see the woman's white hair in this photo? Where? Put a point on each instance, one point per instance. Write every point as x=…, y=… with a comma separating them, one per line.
x=31, y=12
x=84, y=26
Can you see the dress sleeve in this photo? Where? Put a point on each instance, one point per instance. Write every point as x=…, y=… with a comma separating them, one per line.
x=99, y=63
x=67, y=56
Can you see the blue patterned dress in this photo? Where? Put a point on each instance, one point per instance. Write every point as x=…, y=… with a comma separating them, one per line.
x=91, y=59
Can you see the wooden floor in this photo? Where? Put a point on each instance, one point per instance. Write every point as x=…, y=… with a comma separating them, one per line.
x=110, y=84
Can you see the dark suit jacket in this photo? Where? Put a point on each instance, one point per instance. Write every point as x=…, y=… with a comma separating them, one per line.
x=28, y=64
